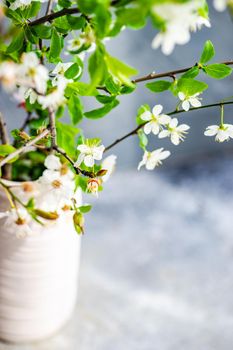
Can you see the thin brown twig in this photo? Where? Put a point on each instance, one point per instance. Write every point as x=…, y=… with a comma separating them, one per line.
x=134, y=131
x=22, y=149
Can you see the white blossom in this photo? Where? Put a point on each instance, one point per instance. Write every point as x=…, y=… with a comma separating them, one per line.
x=56, y=97
x=153, y=159
x=154, y=120
x=22, y=3
x=193, y=100
x=75, y=44
x=180, y=19
x=8, y=75
x=220, y=5
x=32, y=74
x=88, y=154
x=174, y=131
x=221, y=132
x=60, y=69
x=109, y=164
x=57, y=185
x=18, y=221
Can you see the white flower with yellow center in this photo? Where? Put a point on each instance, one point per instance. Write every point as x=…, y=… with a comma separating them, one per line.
x=174, y=131
x=152, y=159
x=221, y=132
x=75, y=44
x=188, y=101
x=32, y=74
x=154, y=120
x=17, y=221
x=88, y=154
x=57, y=185
x=56, y=97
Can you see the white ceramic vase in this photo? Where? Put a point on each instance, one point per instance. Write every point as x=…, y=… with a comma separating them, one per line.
x=38, y=279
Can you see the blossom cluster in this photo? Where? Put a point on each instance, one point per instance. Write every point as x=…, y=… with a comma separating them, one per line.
x=31, y=79
x=54, y=194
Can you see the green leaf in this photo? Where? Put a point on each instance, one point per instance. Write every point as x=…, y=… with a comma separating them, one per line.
x=217, y=70
x=97, y=67
x=75, y=109
x=76, y=22
x=159, y=85
x=72, y=71
x=132, y=17
x=208, y=52
x=85, y=208
x=105, y=99
x=17, y=42
x=42, y=31
x=81, y=88
x=191, y=73
x=191, y=87
x=66, y=137
x=143, y=140
x=6, y=149
x=101, y=112
x=140, y=111
x=55, y=46
x=120, y=70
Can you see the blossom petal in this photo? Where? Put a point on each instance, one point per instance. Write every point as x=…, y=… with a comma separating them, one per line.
x=157, y=109
x=89, y=161
x=186, y=105
x=147, y=115
x=181, y=96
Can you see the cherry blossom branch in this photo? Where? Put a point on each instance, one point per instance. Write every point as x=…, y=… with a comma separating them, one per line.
x=134, y=132
x=66, y=11
x=22, y=149
x=170, y=74
x=77, y=169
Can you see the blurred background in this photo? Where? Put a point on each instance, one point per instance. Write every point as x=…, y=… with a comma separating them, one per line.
x=157, y=258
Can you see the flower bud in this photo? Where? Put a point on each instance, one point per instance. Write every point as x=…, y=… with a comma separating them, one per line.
x=93, y=186
x=49, y=215
x=78, y=220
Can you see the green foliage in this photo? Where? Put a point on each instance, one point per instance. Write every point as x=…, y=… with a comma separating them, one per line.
x=67, y=137
x=75, y=108
x=101, y=112
x=120, y=70
x=191, y=87
x=159, y=85
x=207, y=53
x=55, y=46
x=218, y=70
x=143, y=140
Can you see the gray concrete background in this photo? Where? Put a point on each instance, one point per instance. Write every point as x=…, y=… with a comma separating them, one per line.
x=134, y=47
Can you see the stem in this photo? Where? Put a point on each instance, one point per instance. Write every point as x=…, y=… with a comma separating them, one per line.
x=6, y=171
x=50, y=17
x=53, y=130
x=78, y=170
x=134, y=132
x=24, y=147
x=222, y=115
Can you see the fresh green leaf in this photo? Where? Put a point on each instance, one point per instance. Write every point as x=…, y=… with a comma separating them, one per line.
x=191, y=87
x=217, y=70
x=101, y=112
x=73, y=71
x=55, y=46
x=159, y=85
x=120, y=70
x=75, y=109
x=191, y=73
x=208, y=52
x=85, y=208
x=143, y=140
x=17, y=42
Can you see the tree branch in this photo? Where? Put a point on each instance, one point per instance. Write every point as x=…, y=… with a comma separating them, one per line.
x=134, y=131
x=171, y=74
x=50, y=17
x=6, y=171
x=78, y=170
x=52, y=126
x=24, y=147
